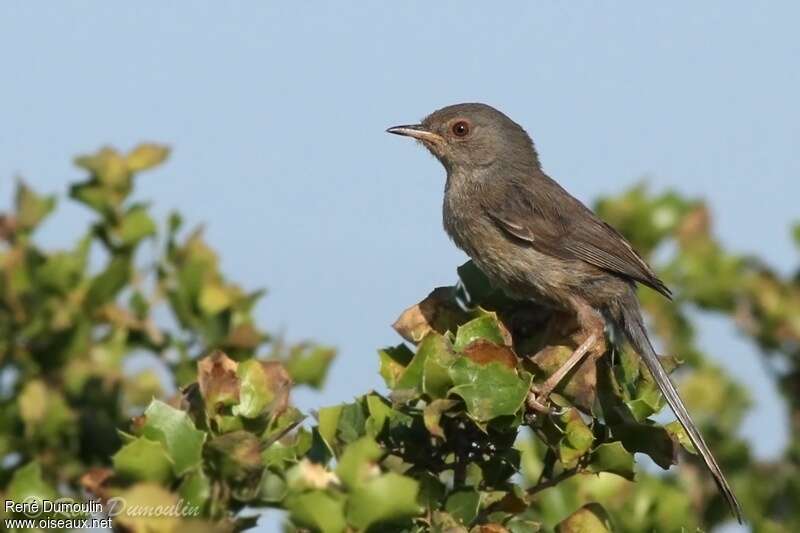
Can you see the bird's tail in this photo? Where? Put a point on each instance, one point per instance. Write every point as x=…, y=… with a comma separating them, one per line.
x=637, y=336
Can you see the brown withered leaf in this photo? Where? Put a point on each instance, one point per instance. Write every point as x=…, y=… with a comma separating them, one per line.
x=280, y=383
x=695, y=226
x=589, y=518
x=239, y=452
x=484, y=352
x=216, y=376
x=489, y=528
x=580, y=385
x=437, y=312
x=8, y=227
x=244, y=337
x=94, y=481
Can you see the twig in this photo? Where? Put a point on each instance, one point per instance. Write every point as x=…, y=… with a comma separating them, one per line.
x=553, y=481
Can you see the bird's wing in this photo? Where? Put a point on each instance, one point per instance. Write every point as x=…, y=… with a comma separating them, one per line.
x=555, y=223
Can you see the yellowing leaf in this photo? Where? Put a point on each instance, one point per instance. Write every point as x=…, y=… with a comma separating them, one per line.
x=146, y=156
x=214, y=298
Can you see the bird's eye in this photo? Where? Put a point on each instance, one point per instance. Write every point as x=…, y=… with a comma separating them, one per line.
x=460, y=128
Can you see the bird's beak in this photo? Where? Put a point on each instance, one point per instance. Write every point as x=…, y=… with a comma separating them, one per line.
x=417, y=131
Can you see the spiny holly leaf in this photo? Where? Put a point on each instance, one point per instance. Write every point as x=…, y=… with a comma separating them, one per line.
x=308, y=365
x=175, y=430
x=358, y=462
x=486, y=327
x=143, y=459
x=576, y=441
x=490, y=390
x=614, y=458
x=264, y=388
x=655, y=441
x=483, y=351
x=427, y=370
x=27, y=484
x=463, y=505
x=386, y=498
x=196, y=490
x=318, y=510
x=393, y=363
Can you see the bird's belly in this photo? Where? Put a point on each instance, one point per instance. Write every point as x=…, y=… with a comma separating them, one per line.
x=522, y=272
x=517, y=268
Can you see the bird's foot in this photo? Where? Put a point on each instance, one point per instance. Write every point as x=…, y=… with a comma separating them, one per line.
x=537, y=401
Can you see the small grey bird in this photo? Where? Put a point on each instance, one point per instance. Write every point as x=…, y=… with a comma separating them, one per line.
x=535, y=240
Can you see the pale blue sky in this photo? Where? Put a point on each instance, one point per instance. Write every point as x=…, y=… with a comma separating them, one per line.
x=277, y=117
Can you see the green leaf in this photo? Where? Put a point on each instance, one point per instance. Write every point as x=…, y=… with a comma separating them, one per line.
x=195, y=489
x=143, y=460
x=358, y=461
x=96, y=197
x=475, y=283
x=490, y=390
x=576, y=441
x=796, y=233
x=31, y=207
x=318, y=510
x=273, y=488
x=44, y=411
x=27, y=484
x=652, y=440
x=255, y=393
x=106, y=285
x=352, y=422
x=386, y=498
x=108, y=166
x=485, y=327
x=309, y=365
x=62, y=271
x=420, y=375
x=135, y=225
x=675, y=429
x=176, y=431
x=379, y=412
x=614, y=458
x=328, y=424
x=215, y=298
x=436, y=381
x=393, y=363
x=264, y=388
x=464, y=505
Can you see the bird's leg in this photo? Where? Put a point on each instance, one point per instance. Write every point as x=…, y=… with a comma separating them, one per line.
x=592, y=327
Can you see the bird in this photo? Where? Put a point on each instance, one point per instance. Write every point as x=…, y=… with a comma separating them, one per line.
x=536, y=241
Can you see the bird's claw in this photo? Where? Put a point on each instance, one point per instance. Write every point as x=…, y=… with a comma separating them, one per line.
x=537, y=405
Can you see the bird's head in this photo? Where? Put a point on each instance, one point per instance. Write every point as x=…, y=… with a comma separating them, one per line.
x=471, y=136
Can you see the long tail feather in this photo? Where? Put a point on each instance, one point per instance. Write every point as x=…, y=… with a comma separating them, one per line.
x=637, y=336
